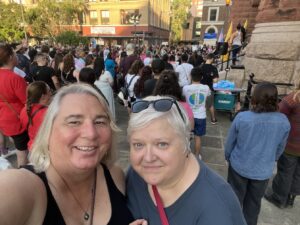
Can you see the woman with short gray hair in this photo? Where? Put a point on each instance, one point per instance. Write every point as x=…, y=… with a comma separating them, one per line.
x=166, y=183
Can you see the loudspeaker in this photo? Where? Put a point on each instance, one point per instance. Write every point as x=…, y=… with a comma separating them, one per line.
x=222, y=48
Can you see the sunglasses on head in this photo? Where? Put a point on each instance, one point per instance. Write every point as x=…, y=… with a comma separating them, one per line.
x=160, y=105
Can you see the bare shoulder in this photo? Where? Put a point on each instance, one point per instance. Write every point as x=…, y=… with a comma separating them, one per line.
x=118, y=176
x=23, y=197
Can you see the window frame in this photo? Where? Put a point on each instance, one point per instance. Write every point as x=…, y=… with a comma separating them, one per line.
x=209, y=14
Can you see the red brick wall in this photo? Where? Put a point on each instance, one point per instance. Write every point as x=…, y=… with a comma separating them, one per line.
x=243, y=10
x=278, y=11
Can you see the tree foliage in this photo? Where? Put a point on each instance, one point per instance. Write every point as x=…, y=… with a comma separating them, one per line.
x=10, y=23
x=49, y=17
x=71, y=38
x=179, y=17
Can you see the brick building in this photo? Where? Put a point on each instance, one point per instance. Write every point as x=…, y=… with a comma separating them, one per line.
x=122, y=21
x=215, y=18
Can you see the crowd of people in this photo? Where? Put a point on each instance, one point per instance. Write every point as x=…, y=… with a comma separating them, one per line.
x=59, y=103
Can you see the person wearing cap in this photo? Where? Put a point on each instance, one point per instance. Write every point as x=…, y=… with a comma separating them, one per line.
x=210, y=75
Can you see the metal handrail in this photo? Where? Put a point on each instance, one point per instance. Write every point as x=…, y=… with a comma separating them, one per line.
x=229, y=58
x=252, y=82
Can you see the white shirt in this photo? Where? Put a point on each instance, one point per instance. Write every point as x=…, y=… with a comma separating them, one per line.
x=79, y=63
x=127, y=80
x=184, y=71
x=195, y=95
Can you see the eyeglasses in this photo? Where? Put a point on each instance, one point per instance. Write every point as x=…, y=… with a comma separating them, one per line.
x=160, y=105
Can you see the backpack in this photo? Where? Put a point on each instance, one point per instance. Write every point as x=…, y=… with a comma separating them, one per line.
x=124, y=92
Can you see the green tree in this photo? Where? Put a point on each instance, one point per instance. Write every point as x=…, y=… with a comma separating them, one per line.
x=10, y=23
x=71, y=38
x=48, y=18
x=179, y=16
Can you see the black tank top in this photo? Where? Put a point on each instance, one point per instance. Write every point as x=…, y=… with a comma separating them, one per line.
x=120, y=214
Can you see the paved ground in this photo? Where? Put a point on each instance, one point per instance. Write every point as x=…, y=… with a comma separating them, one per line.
x=213, y=155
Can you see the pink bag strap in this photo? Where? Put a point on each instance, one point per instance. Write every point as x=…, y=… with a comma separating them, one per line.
x=160, y=207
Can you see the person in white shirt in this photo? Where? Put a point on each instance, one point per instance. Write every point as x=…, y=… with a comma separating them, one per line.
x=184, y=71
x=131, y=78
x=196, y=94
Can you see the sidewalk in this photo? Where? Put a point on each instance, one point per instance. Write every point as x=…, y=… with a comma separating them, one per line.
x=213, y=156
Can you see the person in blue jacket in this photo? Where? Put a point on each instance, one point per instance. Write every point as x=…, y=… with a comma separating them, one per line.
x=255, y=141
x=110, y=65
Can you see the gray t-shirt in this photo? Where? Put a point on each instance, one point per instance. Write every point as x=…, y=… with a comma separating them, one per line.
x=208, y=201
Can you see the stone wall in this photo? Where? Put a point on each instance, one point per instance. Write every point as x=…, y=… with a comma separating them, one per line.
x=274, y=52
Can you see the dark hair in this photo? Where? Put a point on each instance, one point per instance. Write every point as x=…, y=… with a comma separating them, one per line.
x=146, y=74
x=87, y=75
x=210, y=56
x=264, y=98
x=89, y=59
x=32, y=53
x=165, y=57
x=58, y=58
x=172, y=57
x=136, y=66
x=98, y=66
x=239, y=26
x=45, y=49
x=109, y=56
x=157, y=66
x=168, y=84
x=6, y=52
x=184, y=57
x=35, y=91
x=68, y=63
x=196, y=74
x=52, y=53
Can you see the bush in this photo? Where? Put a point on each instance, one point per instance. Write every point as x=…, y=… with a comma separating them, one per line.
x=71, y=38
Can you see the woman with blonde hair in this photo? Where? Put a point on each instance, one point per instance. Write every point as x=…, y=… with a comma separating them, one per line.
x=286, y=183
x=73, y=179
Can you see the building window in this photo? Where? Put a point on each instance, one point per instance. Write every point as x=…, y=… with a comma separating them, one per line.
x=213, y=14
x=211, y=30
x=93, y=17
x=198, y=25
x=129, y=16
x=104, y=17
x=197, y=33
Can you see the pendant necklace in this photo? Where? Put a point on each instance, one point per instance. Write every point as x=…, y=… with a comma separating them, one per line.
x=86, y=215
